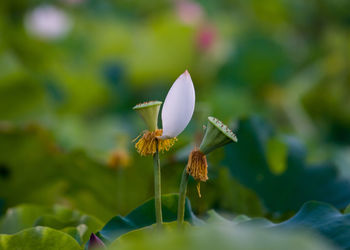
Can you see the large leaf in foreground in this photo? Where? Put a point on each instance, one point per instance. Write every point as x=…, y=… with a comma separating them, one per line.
x=38, y=238
x=324, y=219
x=299, y=232
x=315, y=216
x=222, y=236
x=73, y=222
x=293, y=182
x=143, y=216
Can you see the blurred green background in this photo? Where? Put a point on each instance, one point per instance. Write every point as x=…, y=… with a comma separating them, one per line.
x=276, y=71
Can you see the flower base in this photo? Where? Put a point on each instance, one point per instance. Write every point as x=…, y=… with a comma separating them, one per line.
x=147, y=144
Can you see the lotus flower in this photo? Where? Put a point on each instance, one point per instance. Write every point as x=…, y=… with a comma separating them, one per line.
x=176, y=114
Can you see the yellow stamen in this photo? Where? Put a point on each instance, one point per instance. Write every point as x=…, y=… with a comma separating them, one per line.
x=197, y=166
x=146, y=145
x=199, y=189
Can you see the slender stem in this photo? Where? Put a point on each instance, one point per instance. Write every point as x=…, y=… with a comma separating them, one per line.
x=182, y=198
x=157, y=188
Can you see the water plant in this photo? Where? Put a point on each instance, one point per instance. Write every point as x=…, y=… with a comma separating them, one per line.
x=217, y=134
x=176, y=114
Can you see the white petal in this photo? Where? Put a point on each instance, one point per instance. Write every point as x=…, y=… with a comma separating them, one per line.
x=178, y=106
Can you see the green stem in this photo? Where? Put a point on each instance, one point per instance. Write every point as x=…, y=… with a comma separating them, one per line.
x=157, y=187
x=182, y=198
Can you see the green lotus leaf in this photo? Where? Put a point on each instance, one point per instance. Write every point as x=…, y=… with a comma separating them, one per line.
x=143, y=216
x=314, y=216
x=290, y=181
x=38, y=238
x=73, y=222
x=218, y=236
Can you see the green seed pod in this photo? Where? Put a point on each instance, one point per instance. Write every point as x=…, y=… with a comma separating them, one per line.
x=216, y=135
x=149, y=113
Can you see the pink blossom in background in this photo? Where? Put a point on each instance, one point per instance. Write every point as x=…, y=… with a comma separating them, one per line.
x=189, y=12
x=206, y=37
x=47, y=22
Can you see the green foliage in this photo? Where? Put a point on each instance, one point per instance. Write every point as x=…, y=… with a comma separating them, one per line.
x=326, y=104
x=41, y=238
x=21, y=217
x=30, y=158
x=316, y=216
x=19, y=95
x=266, y=59
x=72, y=222
x=276, y=155
x=143, y=216
x=347, y=210
x=300, y=182
x=219, y=237
x=65, y=112
x=75, y=179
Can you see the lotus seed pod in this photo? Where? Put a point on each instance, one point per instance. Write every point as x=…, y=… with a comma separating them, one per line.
x=149, y=112
x=216, y=135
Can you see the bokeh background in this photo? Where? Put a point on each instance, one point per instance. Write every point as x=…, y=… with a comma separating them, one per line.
x=276, y=71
